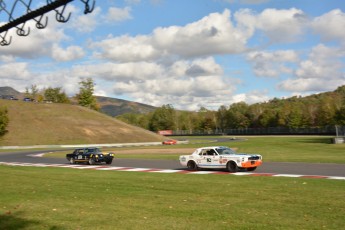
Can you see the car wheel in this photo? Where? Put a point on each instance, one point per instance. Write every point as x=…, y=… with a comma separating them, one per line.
x=108, y=162
x=91, y=161
x=251, y=169
x=232, y=166
x=71, y=160
x=192, y=166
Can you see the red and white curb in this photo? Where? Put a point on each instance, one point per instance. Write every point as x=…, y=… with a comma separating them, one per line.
x=130, y=169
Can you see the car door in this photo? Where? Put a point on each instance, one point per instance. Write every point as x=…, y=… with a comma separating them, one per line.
x=209, y=159
x=80, y=155
x=213, y=159
x=204, y=159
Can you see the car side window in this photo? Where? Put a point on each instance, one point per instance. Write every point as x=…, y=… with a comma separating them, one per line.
x=210, y=152
x=204, y=152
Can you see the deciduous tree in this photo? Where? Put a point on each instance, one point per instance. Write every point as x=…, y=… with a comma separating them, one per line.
x=85, y=96
x=3, y=120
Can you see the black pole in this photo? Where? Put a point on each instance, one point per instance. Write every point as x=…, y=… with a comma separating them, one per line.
x=33, y=14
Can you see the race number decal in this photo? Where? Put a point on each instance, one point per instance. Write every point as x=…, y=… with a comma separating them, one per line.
x=209, y=160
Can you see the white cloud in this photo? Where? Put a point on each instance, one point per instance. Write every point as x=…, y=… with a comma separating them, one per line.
x=253, y=1
x=213, y=34
x=311, y=85
x=285, y=25
x=7, y=58
x=330, y=26
x=38, y=43
x=251, y=97
x=322, y=71
x=115, y=14
x=117, y=72
x=323, y=62
x=190, y=83
x=133, y=1
x=68, y=54
x=272, y=64
x=84, y=23
x=15, y=71
x=247, y=1
x=127, y=49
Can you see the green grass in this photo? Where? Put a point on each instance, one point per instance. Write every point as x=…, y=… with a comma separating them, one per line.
x=312, y=149
x=57, y=198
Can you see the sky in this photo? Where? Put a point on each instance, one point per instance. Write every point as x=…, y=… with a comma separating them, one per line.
x=186, y=53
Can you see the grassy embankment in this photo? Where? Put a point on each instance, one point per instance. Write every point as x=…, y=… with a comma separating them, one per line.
x=54, y=124
x=57, y=198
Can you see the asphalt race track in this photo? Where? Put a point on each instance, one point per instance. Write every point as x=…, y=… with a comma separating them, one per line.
x=336, y=170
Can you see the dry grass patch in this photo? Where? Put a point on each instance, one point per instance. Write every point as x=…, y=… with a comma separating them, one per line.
x=52, y=124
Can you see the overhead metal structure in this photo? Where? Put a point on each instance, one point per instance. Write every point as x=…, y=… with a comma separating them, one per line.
x=10, y=8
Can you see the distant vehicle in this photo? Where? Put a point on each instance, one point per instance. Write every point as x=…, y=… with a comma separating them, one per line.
x=28, y=99
x=90, y=156
x=8, y=97
x=169, y=142
x=220, y=157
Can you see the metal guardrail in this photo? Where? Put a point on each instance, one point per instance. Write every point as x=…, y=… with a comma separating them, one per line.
x=326, y=130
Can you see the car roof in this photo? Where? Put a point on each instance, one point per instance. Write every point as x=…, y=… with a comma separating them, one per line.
x=214, y=147
x=86, y=148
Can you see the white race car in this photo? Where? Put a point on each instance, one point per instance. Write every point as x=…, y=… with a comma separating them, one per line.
x=220, y=157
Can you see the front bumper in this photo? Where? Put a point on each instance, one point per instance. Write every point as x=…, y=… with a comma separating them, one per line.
x=251, y=164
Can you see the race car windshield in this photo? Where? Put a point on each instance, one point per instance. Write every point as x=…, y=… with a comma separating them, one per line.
x=225, y=151
x=93, y=150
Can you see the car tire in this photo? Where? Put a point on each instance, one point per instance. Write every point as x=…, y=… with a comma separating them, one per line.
x=232, y=166
x=251, y=169
x=108, y=162
x=191, y=165
x=72, y=161
x=91, y=161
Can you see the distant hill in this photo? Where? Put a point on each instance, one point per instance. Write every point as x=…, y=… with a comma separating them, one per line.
x=6, y=92
x=50, y=124
x=110, y=106
x=115, y=107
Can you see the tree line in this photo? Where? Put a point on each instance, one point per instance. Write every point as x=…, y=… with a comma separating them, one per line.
x=317, y=110
x=84, y=98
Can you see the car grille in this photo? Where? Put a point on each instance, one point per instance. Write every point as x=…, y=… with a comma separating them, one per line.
x=254, y=158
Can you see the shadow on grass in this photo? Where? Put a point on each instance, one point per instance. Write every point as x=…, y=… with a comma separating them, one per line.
x=13, y=222
x=326, y=140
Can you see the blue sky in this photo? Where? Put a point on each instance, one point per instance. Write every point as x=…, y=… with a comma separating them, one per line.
x=190, y=54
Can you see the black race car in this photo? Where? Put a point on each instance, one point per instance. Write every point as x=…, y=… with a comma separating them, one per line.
x=90, y=156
